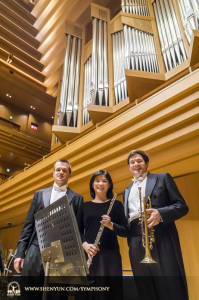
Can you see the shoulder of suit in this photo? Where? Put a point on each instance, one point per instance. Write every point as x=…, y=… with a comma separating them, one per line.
x=161, y=175
x=44, y=190
x=76, y=194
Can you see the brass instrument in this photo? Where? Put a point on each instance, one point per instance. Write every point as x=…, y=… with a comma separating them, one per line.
x=147, y=233
x=97, y=240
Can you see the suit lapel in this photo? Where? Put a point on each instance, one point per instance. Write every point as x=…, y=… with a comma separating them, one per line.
x=70, y=194
x=126, y=196
x=46, y=196
x=151, y=181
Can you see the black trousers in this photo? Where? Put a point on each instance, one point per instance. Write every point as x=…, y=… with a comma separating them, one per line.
x=33, y=276
x=164, y=280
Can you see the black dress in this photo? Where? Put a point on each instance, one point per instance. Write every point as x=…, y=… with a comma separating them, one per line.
x=106, y=267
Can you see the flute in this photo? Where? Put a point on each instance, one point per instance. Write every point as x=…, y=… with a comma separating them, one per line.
x=97, y=240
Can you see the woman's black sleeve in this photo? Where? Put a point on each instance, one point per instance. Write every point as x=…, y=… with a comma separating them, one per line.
x=121, y=228
x=80, y=222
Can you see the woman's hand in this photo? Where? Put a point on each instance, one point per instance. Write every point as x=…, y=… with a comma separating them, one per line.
x=106, y=221
x=90, y=249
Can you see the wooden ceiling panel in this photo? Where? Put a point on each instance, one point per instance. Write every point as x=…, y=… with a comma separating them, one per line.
x=11, y=157
x=24, y=99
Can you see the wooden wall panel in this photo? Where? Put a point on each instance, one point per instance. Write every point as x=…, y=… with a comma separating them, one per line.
x=19, y=116
x=14, y=169
x=44, y=127
x=189, y=188
x=10, y=236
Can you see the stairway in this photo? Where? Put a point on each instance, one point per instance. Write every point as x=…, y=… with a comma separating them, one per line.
x=18, y=43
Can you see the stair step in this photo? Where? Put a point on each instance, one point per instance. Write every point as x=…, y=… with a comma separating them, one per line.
x=19, y=10
x=23, y=56
x=22, y=66
x=18, y=31
x=19, y=43
x=28, y=6
x=9, y=14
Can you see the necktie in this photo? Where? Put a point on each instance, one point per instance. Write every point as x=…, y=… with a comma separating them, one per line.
x=139, y=179
x=60, y=188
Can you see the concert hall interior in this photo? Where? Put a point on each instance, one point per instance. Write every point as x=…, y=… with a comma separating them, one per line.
x=89, y=81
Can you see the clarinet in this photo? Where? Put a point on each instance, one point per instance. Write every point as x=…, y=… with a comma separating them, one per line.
x=97, y=240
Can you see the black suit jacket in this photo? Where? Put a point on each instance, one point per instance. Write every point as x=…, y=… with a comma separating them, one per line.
x=41, y=200
x=165, y=197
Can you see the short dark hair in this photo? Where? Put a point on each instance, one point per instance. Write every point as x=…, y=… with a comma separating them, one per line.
x=63, y=161
x=141, y=153
x=109, y=193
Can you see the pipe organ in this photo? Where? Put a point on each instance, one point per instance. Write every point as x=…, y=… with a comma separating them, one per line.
x=189, y=11
x=143, y=38
x=169, y=33
x=99, y=73
x=67, y=114
x=139, y=7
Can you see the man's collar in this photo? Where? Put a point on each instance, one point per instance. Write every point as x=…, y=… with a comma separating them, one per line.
x=140, y=178
x=60, y=188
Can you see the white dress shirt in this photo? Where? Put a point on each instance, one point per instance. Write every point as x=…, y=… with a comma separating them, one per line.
x=58, y=192
x=134, y=198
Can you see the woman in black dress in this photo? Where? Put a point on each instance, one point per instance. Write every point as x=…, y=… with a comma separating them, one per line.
x=106, y=267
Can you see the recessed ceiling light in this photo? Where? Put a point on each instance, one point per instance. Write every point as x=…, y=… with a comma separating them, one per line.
x=52, y=117
x=31, y=107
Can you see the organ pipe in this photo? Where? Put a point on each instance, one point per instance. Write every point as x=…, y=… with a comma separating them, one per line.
x=67, y=113
x=99, y=70
x=138, y=7
x=169, y=33
x=189, y=12
x=87, y=94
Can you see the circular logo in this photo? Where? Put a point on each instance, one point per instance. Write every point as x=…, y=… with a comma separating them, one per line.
x=13, y=289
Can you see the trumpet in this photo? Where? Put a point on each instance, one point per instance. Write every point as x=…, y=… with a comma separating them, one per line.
x=147, y=233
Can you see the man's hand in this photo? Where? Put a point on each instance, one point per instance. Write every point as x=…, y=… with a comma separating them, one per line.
x=106, y=221
x=154, y=217
x=18, y=263
x=90, y=249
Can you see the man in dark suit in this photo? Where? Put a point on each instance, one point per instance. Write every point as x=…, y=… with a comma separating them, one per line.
x=28, y=255
x=165, y=279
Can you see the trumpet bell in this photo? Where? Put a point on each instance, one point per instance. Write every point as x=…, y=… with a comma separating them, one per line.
x=148, y=260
